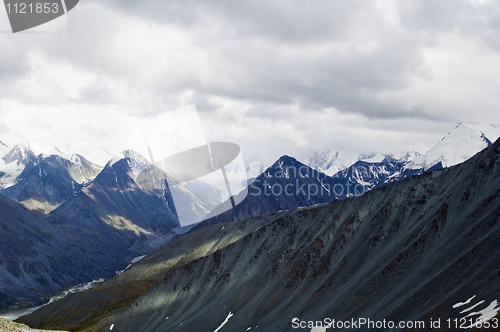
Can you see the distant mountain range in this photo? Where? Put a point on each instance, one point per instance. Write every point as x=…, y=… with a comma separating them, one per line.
x=28, y=170
x=331, y=162
x=139, y=205
x=289, y=183
x=421, y=249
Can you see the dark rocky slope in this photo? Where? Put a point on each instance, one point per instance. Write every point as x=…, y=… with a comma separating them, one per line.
x=87, y=307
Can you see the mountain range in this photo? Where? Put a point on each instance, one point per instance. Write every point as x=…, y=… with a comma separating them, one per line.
x=419, y=250
x=124, y=208
x=332, y=162
x=29, y=169
x=289, y=183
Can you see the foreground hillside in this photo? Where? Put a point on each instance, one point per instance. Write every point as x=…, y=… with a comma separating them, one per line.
x=413, y=250
x=8, y=326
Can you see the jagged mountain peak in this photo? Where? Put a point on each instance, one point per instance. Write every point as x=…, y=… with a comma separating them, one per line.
x=80, y=160
x=30, y=151
x=128, y=167
x=132, y=154
x=43, y=183
x=409, y=156
x=285, y=162
x=286, y=159
x=131, y=160
x=128, y=154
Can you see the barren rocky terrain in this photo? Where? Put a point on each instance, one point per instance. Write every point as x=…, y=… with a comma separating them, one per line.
x=8, y=326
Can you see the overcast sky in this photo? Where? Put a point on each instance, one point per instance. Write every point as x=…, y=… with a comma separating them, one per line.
x=276, y=77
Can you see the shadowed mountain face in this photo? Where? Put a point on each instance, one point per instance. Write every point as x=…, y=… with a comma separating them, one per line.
x=19, y=156
x=115, y=199
x=47, y=182
x=289, y=183
x=129, y=202
x=38, y=258
x=408, y=251
x=370, y=175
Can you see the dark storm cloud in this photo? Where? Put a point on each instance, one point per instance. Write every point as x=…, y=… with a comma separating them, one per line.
x=347, y=79
x=295, y=20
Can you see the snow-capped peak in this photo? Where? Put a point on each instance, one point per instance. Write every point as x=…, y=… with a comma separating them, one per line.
x=41, y=149
x=459, y=145
x=409, y=156
x=91, y=152
x=128, y=154
x=135, y=161
x=330, y=162
x=14, y=160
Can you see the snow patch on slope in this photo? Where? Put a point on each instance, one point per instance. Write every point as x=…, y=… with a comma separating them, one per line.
x=224, y=322
x=483, y=315
x=459, y=304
